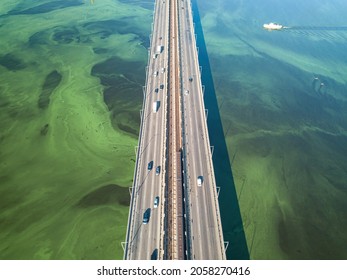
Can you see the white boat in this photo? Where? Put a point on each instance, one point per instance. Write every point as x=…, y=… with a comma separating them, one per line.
x=273, y=26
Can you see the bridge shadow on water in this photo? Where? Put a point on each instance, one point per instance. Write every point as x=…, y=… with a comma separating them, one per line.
x=228, y=203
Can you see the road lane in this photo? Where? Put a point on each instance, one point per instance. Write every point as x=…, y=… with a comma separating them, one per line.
x=208, y=239
x=144, y=239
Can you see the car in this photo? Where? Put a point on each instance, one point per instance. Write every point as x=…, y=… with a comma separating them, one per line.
x=160, y=37
x=162, y=70
x=186, y=92
x=154, y=255
x=157, y=170
x=146, y=216
x=155, y=73
x=150, y=165
x=190, y=79
x=156, y=202
x=161, y=86
x=199, y=181
x=156, y=90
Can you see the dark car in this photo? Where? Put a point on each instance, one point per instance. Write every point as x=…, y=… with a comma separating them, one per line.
x=161, y=86
x=190, y=79
x=154, y=255
x=150, y=165
x=157, y=170
x=146, y=216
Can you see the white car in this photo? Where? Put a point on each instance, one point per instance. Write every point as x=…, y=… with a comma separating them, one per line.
x=199, y=181
x=156, y=202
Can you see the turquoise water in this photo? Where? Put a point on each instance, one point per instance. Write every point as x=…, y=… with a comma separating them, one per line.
x=282, y=104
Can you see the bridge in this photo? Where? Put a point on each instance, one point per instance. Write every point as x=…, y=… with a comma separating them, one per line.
x=174, y=210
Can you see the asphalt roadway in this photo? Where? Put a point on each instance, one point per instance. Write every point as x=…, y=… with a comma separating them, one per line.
x=145, y=240
x=206, y=236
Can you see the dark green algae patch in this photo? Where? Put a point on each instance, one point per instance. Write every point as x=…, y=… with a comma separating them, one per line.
x=88, y=33
x=52, y=81
x=66, y=35
x=46, y=7
x=106, y=28
x=11, y=62
x=122, y=92
x=106, y=195
x=144, y=4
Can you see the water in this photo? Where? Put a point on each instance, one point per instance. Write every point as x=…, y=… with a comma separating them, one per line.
x=71, y=76
x=284, y=132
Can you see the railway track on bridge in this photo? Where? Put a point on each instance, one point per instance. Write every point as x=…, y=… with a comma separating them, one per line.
x=174, y=201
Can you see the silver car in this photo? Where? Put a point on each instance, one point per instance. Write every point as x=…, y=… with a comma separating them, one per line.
x=156, y=202
x=157, y=170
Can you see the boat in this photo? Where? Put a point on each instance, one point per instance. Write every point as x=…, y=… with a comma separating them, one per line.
x=272, y=26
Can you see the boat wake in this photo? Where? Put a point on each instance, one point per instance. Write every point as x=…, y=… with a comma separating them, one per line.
x=324, y=32
x=317, y=28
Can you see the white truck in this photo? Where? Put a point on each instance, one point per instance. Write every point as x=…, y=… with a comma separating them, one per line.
x=155, y=106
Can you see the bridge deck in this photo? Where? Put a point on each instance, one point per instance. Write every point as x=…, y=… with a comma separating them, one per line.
x=186, y=224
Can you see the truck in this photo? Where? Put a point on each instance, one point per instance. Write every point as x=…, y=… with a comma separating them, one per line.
x=159, y=49
x=155, y=106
